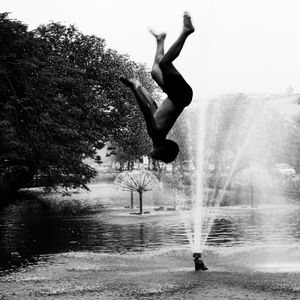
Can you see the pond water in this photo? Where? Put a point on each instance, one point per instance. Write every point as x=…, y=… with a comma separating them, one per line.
x=30, y=233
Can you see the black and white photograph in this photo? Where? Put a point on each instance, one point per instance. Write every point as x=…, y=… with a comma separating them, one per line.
x=149, y=149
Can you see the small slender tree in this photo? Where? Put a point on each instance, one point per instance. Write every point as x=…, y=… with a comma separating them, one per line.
x=137, y=181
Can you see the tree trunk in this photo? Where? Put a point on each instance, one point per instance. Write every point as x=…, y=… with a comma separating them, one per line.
x=131, y=199
x=154, y=165
x=252, y=195
x=252, y=190
x=173, y=169
x=141, y=202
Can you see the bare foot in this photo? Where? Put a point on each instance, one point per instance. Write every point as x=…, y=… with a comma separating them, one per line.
x=130, y=82
x=158, y=36
x=187, y=23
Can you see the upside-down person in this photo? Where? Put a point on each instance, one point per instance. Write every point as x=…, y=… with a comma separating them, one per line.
x=160, y=119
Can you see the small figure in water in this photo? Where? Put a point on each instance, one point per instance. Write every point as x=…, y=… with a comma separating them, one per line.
x=160, y=120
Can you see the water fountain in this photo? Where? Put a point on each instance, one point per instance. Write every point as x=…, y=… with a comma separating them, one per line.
x=233, y=142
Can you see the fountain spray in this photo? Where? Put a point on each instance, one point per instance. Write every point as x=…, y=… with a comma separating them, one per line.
x=199, y=264
x=199, y=195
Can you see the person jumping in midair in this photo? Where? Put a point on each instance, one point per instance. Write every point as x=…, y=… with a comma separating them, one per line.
x=160, y=119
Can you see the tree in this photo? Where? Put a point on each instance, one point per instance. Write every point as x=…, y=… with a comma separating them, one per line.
x=18, y=54
x=137, y=181
x=60, y=101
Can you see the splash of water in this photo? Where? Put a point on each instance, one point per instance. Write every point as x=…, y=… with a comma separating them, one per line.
x=199, y=200
x=206, y=200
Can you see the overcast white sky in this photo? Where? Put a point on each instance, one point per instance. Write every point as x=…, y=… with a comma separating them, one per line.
x=238, y=46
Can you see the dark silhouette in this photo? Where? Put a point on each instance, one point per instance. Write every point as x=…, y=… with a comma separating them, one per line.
x=160, y=119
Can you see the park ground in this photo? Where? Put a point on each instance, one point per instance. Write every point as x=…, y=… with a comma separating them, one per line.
x=241, y=272
x=163, y=274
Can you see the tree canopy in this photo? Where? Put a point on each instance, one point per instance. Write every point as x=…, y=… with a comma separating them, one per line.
x=60, y=101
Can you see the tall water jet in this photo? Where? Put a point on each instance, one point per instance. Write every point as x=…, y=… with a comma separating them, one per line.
x=228, y=138
x=198, y=200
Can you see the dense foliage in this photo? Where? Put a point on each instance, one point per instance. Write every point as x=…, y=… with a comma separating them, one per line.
x=60, y=101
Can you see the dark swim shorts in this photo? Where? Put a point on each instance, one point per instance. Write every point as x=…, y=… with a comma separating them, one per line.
x=178, y=90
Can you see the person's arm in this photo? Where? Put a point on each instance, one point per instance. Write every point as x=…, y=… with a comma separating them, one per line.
x=145, y=108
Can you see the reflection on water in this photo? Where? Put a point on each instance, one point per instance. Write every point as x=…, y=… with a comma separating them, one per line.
x=28, y=231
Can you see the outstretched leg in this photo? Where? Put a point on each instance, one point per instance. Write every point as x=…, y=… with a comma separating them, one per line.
x=156, y=71
x=175, y=49
x=145, y=103
x=179, y=92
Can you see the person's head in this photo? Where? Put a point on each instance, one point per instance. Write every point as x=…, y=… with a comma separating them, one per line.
x=167, y=151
